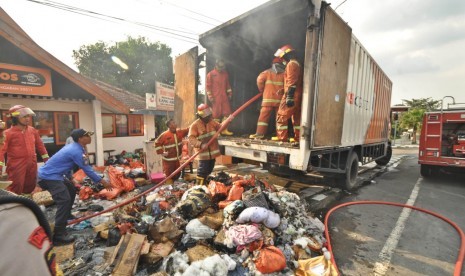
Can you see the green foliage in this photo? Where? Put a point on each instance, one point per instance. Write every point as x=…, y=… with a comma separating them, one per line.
x=414, y=117
x=147, y=62
x=427, y=104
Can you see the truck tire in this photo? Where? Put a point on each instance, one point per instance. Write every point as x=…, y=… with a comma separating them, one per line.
x=427, y=171
x=383, y=161
x=349, y=180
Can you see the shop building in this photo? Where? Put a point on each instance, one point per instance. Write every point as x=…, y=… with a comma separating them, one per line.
x=64, y=99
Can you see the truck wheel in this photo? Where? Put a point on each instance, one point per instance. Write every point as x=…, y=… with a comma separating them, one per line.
x=426, y=170
x=349, y=181
x=385, y=160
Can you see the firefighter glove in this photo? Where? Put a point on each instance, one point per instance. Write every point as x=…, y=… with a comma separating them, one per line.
x=290, y=97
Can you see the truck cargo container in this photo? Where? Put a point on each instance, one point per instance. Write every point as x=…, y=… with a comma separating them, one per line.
x=442, y=142
x=346, y=96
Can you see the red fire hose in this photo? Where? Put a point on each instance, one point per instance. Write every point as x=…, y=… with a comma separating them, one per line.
x=224, y=125
x=459, y=262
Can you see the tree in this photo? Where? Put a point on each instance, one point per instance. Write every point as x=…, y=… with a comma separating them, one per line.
x=414, y=116
x=427, y=104
x=412, y=119
x=133, y=65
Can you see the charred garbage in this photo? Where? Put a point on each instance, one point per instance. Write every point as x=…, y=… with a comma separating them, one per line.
x=235, y=225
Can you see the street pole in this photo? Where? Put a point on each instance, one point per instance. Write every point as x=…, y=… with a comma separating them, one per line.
x=395, y=133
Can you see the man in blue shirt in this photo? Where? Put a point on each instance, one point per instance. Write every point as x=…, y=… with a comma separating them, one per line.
x=52, y=178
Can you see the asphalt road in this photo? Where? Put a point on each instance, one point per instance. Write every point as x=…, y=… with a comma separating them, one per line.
x=388, y=240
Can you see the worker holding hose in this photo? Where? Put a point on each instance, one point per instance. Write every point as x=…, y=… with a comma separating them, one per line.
x=200, y=132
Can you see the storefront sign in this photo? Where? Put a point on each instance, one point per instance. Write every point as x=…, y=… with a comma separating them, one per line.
x=165, y=96
x=150, y=101
x=15, y=79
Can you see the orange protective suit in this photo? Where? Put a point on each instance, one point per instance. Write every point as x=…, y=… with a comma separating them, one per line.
x=271, y=84
x=20, y=147
x=218, y=92
x=172, y=144
x=199, y=133
x=292, y=78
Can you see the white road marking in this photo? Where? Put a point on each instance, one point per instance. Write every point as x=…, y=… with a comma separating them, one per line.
x=385, y=255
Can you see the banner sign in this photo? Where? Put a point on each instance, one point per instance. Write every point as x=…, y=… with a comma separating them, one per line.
x=15, y=79
x=150, y=101
x=165, y=96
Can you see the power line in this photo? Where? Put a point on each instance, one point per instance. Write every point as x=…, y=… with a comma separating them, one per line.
x=340, y=5
x=174, y=5
x=106, y=17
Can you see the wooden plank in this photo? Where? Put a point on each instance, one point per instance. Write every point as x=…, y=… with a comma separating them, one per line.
x=63, y=252
x=185, y=87
x=332, y=81
x=127, y=264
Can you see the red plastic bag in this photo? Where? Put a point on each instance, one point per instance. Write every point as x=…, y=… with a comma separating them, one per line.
x=85, y=193
x=270, y=259
x=114, y=193
x=235, y=193
x=218, y=190
x=79, y=176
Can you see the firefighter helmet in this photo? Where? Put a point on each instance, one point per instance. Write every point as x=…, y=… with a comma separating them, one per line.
x=20, y=111
x=204, y=110
x=284, y=50
x=219, y=64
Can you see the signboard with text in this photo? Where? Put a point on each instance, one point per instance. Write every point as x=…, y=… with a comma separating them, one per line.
x=16, y=79
x=165, y=96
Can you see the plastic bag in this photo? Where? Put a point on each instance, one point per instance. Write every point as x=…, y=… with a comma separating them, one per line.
x=318, y=266
x=270, y=259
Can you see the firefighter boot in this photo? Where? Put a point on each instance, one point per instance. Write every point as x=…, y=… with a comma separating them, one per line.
x=226, y=132
x=257, y=136
x=199, y=180
x=60, y=236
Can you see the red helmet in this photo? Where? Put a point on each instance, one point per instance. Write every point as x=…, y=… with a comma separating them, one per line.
x=204, y=110
x=284, y=50
x=20, y=111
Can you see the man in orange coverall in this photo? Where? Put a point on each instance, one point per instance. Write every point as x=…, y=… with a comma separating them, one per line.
x=169, y=144
x=291, y=103
x=200, y=132
x=270, y=83
x=20, y=145
x=219, y=93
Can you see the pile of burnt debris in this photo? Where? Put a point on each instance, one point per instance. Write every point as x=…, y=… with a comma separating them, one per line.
x=235, y=225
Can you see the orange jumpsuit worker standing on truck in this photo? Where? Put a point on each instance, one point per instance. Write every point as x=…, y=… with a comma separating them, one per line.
x=169, y=144
x=219, y=93
x=270, y=83
x=291, y=103
x=20, y=145
x=200, y=132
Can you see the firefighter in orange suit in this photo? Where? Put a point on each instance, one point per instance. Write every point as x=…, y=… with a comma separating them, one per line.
x=291, y=102
x=20, y=145
x=169, y=144
x=219, y=93
x=200, y=132
x=270, y=83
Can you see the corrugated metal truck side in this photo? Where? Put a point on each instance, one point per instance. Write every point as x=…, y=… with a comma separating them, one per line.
x=346, y=96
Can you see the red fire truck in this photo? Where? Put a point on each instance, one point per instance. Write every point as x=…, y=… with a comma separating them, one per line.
x=442, y=142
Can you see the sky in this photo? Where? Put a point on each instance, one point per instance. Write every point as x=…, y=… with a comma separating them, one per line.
x=420, y=45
